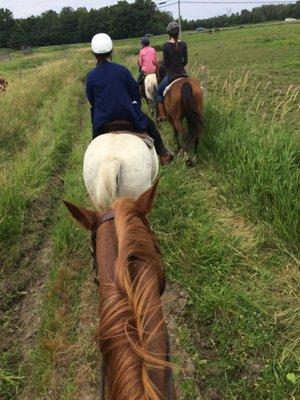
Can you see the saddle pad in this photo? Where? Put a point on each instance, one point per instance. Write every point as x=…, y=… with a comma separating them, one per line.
x=143, y=136
x=172, y=83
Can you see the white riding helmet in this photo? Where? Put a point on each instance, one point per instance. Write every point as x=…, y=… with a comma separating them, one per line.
x=101, y=43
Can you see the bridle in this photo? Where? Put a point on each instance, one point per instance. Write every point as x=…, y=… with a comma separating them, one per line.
x=103, y=218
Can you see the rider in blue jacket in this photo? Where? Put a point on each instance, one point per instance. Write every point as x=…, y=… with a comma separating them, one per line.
x=114, y=94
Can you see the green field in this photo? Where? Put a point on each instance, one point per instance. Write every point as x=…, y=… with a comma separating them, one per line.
x=229, y=228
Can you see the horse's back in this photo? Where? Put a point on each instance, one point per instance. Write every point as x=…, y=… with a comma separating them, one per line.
x=134, y=163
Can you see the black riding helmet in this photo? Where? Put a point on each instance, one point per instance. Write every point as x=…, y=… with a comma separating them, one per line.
x=145, y=41
x=173, y=28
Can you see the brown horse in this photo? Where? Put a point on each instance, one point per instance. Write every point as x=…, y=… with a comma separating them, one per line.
x=3, y=85
x=132, y=330
x=184, y=100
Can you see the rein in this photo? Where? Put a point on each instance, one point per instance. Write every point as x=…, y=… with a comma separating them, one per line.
x=105, y=217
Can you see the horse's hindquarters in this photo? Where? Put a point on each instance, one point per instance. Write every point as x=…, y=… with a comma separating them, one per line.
x=150, y=86
x=121, y=160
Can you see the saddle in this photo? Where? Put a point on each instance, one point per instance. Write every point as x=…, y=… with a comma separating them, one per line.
x=120, y=125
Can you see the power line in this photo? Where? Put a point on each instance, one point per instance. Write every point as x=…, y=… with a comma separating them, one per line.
x=166, y=4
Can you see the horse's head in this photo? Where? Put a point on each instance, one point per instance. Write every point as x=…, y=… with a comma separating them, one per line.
x=103, y=224
x=161, y=71
x=132, y=332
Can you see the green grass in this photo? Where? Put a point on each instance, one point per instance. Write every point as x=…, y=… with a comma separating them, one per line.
x=228, y=279
x=27, y=201
x=256, y=167
x=228, y=228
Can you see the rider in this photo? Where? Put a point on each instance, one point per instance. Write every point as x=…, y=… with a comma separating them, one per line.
x=147, y=59
x=175, y=58
x=114, y=94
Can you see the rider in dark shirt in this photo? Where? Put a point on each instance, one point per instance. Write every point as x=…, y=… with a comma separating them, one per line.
x=175, y=58
x=114, y=94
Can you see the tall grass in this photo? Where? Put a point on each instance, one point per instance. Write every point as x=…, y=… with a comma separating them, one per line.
x=239, y=325
x=257, y=167
x=31, y=188
x=23, y=105
x=25, y=179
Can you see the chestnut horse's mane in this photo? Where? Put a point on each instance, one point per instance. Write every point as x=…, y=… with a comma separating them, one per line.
x=130, y=307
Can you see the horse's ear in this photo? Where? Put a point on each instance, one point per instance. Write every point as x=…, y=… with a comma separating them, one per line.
x=145, y=202
x=85, y=217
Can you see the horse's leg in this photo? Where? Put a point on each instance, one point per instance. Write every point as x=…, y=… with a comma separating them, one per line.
x=178, y=129
x=175, y=131
x=190, y=160
x=152, y=107
x=196, y=144
x=156, y=113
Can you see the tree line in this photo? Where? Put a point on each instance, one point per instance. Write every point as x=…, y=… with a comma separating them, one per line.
x=263, y=13
x=122, y=20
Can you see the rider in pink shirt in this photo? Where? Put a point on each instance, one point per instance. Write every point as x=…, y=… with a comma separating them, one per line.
x=147, y=59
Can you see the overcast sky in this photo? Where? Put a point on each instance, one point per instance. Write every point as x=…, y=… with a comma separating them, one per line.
x=25, y=8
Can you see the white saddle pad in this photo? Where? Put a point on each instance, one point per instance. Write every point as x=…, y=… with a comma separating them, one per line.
x=171, y=84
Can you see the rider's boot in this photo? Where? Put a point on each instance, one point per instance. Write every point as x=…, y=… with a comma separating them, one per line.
x=162, y=112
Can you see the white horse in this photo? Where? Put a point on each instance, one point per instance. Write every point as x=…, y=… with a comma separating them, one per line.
x=150, y=91
x=118, y=164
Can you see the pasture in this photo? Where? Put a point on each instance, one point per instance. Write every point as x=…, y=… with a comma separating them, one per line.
x=229, y=228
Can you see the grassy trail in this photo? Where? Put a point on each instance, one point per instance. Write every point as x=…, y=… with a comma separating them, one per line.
x=227, y=230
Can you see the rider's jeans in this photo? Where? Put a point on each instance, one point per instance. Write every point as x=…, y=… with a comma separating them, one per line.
x=161, y=87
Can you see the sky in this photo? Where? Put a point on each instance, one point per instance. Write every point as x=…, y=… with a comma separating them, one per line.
x=26, y=8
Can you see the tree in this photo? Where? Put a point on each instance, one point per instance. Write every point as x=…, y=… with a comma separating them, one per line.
x=18, y=37
x=6, y=25
x=121, y=20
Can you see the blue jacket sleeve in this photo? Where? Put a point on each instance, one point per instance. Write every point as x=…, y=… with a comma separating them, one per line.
x=133, y=88
x=89, y=91
x=90, y=96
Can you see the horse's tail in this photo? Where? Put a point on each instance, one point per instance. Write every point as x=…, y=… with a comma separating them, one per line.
x=106, y=184
x=192, y=113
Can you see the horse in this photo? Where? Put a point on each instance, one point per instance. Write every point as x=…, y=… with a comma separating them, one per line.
x=132, y=332
x=150, y=83
x=3, y=85
x=217, y=30
x=184, y=100
x=118, y=164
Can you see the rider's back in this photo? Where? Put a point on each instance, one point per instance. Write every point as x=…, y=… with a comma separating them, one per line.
x=175, y=57
x=113, y=95
x=148, y=60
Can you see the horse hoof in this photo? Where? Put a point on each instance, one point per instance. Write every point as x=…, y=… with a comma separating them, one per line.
x=191, y=161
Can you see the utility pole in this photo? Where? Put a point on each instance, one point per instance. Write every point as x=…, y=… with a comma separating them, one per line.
x=179, y=15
